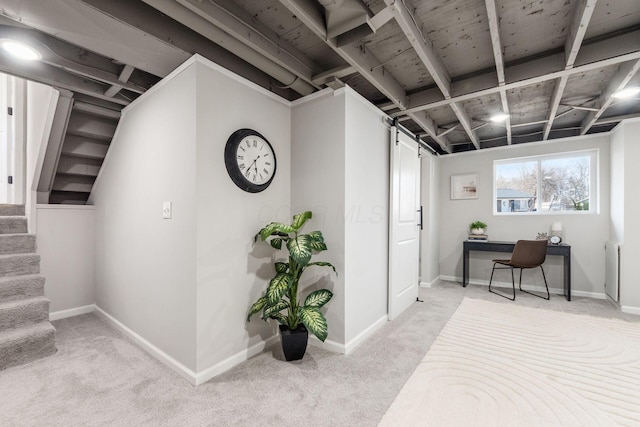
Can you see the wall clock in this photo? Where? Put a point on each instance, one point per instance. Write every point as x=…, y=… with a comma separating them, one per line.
x=250, y=160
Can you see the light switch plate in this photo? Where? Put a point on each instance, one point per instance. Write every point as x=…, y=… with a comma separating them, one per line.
x=166, y=210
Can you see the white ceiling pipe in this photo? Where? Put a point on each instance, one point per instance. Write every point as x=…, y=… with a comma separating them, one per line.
x=213, y=33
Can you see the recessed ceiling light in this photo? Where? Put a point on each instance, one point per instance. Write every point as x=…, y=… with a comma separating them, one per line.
x=21, y=50
x=627, y=92
x=499, y=117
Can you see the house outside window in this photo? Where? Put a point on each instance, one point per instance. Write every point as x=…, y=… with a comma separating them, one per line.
x=550, y=184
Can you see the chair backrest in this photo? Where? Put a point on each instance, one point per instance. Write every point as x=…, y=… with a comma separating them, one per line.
x=529, y=253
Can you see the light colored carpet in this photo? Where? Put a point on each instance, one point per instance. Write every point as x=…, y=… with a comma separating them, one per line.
x=505, y=365
x=100, y=378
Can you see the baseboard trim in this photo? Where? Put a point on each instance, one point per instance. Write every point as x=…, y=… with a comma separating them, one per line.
x=348, y=348
x=77, y=311
x=154, y=351
x=220, y=367
x=429, y=284
x=629, y=309
x=560, y=291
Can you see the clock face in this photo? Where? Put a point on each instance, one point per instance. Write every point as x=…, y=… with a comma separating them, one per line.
x=250, y=160
x=555, y=240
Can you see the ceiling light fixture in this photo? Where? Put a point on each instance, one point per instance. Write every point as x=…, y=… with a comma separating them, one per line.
x=21, y=50
x=627, y=92
x=499, y=117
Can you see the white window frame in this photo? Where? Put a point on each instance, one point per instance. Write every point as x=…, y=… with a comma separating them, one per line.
x=594, y=182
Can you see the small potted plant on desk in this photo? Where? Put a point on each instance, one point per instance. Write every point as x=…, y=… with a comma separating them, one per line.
x=280, y=301
x=477, y=227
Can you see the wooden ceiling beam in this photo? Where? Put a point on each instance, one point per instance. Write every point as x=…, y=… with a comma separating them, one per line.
x=618, y=82
x=364, y=63
x=593, y=56
x=431, y=61
x=496, y=43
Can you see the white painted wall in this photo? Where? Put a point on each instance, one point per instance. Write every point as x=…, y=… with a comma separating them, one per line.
x=586, y=233
x=625, y=206
x=317, y=184
x=232, y=272
x=430, y=234
x=366, y=215
x=41, y=105
x=146, y=265
x=340, y=163
x=66, y=242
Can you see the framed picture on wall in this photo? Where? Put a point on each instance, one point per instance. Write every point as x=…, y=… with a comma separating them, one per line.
x=464, y=186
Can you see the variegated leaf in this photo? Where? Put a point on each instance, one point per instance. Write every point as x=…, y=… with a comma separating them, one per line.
x=278, y=286
x=323, y=264
x=271, y=311
x=318, y=246
x=300, y=219
x=314, y=321
x=281, y=318
x=256, y=307
x=281, y=267
x=317, y=236
x=300, y=249
x=276, y=243
x=318, y=298
x=273, y=228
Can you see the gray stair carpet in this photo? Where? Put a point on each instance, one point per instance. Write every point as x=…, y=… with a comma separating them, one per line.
x=25, y=331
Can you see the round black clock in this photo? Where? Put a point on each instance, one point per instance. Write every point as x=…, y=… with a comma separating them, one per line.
x=250, y=160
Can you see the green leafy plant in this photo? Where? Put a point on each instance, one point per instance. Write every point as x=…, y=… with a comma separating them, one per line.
x=477, y=224
x=282, y=293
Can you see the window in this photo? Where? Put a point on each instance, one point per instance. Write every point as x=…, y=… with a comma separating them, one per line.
x=550, y=184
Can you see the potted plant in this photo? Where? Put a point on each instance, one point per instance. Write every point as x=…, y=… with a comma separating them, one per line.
x=477, y=227
x=281, y=302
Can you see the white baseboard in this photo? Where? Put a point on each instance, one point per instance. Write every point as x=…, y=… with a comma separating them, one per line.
x=348, y=348
x=629, y=309
x=188, y=374
x=560, y=291
x=77, y=311
x=429, y=284
x=236, y=359
x=154, y=351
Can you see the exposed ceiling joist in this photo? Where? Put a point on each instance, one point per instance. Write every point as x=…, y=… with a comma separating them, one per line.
x=234, y=20
x=338, y=73
x=431, y=61
x=610, y=51
x=125, y=74
x=56, y=77
x=581, y=18
x=423, y=120
x=618, y=82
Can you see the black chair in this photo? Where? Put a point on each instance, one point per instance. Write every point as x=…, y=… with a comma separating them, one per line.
x=526, y=254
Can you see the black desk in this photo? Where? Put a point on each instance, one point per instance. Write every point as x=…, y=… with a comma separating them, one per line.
x=491, y=246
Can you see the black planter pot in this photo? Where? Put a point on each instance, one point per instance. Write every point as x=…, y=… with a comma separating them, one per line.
x=294, y=343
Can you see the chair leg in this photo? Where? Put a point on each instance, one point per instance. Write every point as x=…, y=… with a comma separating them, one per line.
x=545, y=285
x=513, y=283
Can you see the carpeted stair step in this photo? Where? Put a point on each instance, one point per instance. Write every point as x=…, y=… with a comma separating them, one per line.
x=23, y=312
x=11, y=210
x=19, y=287
x=19, y=264
x=23, y=345
x=17, y=243
x=13, y=224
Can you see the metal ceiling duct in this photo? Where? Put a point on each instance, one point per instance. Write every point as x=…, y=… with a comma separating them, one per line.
x=343, y=16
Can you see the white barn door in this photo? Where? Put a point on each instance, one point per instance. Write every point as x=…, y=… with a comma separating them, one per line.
x=404, y=234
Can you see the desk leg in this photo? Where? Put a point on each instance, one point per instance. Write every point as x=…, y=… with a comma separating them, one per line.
x=465, y=268
x=567, y=277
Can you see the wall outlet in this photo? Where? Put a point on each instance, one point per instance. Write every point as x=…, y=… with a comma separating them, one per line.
x=166, y=210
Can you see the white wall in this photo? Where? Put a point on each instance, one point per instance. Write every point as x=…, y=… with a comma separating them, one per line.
x=586, y=233
x=146, y=265
x=625, y=206
x=430, y=234
x=340, y=163
x=66, y=242
x=232, y=272
x=41, y=105
x=317, y=184
x=366, y=215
